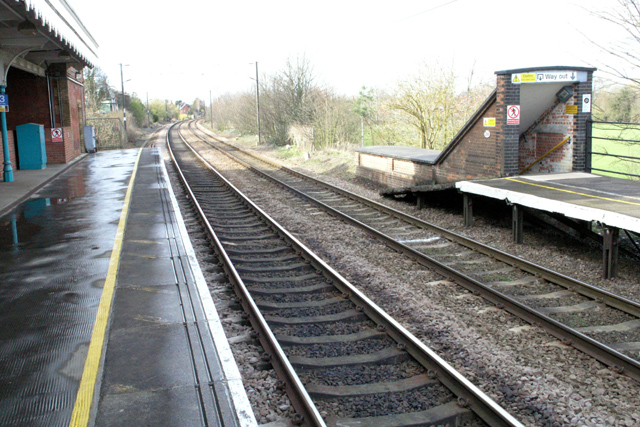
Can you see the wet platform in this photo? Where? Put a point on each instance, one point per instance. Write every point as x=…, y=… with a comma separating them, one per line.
x=105, y=317
x=28, y=181
x=610, y=201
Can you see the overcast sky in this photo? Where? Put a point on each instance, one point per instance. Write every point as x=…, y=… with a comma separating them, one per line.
x=183, y=49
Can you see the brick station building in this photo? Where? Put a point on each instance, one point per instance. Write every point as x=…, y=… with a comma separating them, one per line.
x=533, y=112
x=44, y=48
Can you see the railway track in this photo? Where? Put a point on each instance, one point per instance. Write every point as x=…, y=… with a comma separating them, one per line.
x=335, y=351
x=599, y=323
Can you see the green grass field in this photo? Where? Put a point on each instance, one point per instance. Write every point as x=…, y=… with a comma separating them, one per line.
x=605, y=138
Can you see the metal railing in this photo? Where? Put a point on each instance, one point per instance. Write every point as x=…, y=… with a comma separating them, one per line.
x=619, y=134
x=110, y=133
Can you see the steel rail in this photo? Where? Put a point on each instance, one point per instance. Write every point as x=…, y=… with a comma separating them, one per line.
x=609, y=298
x=469, y=395
x=618, y=361
x=301, y=400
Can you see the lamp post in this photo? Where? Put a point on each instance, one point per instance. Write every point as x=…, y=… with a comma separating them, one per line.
x=7, y=170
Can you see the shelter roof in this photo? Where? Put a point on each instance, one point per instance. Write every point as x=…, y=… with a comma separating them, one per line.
x=43, y=32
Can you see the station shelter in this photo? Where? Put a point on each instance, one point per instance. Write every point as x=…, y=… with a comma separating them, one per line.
x=44, y=48
x=534, y=121
x=527, y=145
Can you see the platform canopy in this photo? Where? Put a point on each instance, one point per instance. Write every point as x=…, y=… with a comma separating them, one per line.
x=36, y=33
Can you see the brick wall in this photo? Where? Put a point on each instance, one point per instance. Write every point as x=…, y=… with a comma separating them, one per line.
x=29, y=103
x=59, y=152
x=475, y=156
x=580, y=124
x=389, y=179
x=555, y=127
x=508, y=135
x=392, y=172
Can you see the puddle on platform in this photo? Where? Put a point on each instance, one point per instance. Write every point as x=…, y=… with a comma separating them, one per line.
x=26, y=220
x=75, y=365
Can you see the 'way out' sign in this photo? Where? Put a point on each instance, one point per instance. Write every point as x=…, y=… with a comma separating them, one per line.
x=565, y=76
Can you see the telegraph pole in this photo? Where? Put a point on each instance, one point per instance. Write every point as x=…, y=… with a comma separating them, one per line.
x=124, y=111
x=258, y=102
x=148, y=121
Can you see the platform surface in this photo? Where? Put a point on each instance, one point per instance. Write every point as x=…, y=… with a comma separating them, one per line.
x=54, y=254
x=27, y=181
x=413, y=154
x=166, y=360
x=611, y=201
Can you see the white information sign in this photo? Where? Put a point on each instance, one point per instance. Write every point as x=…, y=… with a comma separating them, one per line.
x=586, y=103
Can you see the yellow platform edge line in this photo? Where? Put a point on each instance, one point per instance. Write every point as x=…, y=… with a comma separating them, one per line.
x=574, y=192
x=86, y=391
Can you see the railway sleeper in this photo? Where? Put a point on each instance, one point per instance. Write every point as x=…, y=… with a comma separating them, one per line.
x=589, y=305
x=427, y=245
x=625, y=346
x=258, y=251
x=217, y=199
x=253, y=226
x=238, y=261
x=299, y=266
x=531, y=280
x=330, y=339
x=468, y=262
x=217, y=207
x=403, y=385
x=450, y=414
x=618, y=327
x=215, y=215
x=255, y=279
x=548, y=295
x=387, y=356
x=345, y=316
x=245, y=237
x=301, y=290
x=235, y=222
x=306, y=304
x=208, y=189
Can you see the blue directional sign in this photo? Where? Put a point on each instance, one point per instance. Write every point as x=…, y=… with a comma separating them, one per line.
x=4, y=100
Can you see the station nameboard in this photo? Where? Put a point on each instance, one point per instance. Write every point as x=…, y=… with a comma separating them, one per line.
x=548, y=77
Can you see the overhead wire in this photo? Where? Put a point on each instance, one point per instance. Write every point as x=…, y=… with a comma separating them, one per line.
x=428, y=10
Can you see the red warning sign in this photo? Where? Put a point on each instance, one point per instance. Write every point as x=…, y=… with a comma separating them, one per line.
x=513, y=114
x=57, y=135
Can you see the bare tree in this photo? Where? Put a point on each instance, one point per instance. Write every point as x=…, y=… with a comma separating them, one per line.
x=627, y=18
x=428, y=101
x=97, y=89
x=298, y=83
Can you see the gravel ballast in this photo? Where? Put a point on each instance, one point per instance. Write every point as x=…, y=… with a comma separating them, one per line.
x=538, y=379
